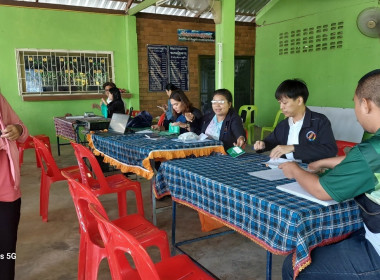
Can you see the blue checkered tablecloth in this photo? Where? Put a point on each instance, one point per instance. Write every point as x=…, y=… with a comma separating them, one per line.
x=280, y=222
x=132, y=150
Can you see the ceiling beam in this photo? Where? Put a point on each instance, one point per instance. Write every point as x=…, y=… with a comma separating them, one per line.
x=129, y=4
x=141, y=6
x=180, y=7
x=39, y=5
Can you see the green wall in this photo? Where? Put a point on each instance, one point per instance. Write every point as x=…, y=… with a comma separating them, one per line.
x=49, y=29
x=331, y=75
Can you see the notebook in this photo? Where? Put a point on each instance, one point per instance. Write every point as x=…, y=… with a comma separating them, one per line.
x=118, y=125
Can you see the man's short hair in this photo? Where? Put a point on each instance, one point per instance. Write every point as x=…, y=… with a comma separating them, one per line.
x=369, y=87
x=292, y=89
x=111, y=84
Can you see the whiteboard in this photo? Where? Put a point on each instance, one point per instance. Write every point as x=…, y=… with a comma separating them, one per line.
x=344, y=124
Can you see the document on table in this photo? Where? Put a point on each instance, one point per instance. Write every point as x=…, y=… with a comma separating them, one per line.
x=274, y=163
x=145, y=131
x=191, y=141
x=269, y=174
x=295, y=189
x=153, y=136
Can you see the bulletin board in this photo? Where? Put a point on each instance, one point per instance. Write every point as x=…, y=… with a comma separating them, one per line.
x=168, y=64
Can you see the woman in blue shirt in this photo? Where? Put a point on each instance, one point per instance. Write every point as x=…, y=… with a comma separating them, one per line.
x=187, y=117
x=168, y=108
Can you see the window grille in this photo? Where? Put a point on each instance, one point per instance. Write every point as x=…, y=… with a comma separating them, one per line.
x=62, y=72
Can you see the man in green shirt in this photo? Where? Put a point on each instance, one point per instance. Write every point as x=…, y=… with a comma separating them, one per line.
x=356, y=175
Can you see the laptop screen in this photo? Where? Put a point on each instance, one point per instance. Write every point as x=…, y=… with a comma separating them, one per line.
x=118, y=123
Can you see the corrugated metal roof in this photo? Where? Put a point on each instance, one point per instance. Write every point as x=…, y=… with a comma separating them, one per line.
x=245, y=9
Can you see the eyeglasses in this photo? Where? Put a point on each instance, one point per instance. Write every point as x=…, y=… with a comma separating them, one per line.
x=218, y=101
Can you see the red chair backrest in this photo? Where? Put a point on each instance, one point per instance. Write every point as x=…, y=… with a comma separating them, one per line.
x=342, y=145
x=82, y=197
x=50, y=167
x=92, y=179
x=28, y=144
x=117, y=241
x=161, y=120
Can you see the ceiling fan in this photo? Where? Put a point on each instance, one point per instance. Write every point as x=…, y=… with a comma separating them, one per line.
x=368, y=22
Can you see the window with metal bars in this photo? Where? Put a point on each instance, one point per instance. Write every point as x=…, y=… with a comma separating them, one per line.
x=63, y=72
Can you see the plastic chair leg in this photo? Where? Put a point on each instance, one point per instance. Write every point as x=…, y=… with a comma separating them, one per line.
x=42, y=189
x=44, y=197
x=164, y=249
x=37, y=159
x=122, y=202
x=20, y=156
x=94, y=256
x=82, y=257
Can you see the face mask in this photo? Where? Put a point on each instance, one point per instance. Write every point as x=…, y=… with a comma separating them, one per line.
x=109, y=100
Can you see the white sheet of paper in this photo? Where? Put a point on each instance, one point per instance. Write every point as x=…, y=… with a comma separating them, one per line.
x=269, y=174
x=190, y=141
x=274, y=163
x=295, y=189
x=202, y=136
x=145, y=131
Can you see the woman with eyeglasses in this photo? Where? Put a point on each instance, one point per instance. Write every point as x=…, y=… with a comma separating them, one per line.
x=187, y=117
x=224, y=123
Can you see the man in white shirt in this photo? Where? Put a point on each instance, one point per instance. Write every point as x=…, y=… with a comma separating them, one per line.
x=304, y=135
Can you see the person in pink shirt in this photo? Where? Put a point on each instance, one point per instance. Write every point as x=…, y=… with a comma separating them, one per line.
x=12, y=130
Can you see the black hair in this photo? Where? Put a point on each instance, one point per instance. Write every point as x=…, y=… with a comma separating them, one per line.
x=369, y=87
x=111, y=84
x=292, y=89
x=180, y=96
x=115, y=93
x=171, y=87
x=224, y=92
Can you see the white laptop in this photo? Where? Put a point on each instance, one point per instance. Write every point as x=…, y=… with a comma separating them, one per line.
x=118, y=125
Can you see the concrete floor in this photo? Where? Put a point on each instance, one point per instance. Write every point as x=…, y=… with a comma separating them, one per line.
x=50, y=250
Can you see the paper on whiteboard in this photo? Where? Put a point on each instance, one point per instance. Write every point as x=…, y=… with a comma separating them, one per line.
x=269, y=174
x=295, y=189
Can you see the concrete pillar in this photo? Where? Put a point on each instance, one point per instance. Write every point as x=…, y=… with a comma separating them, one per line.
x=225, y=47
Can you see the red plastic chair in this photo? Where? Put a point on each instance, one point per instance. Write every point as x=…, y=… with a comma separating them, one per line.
x=50, y=173
x=99, y=184
x=91, y=247
x=117, y=241
x=161, y=120
x=29, y=144
x=342, y=145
